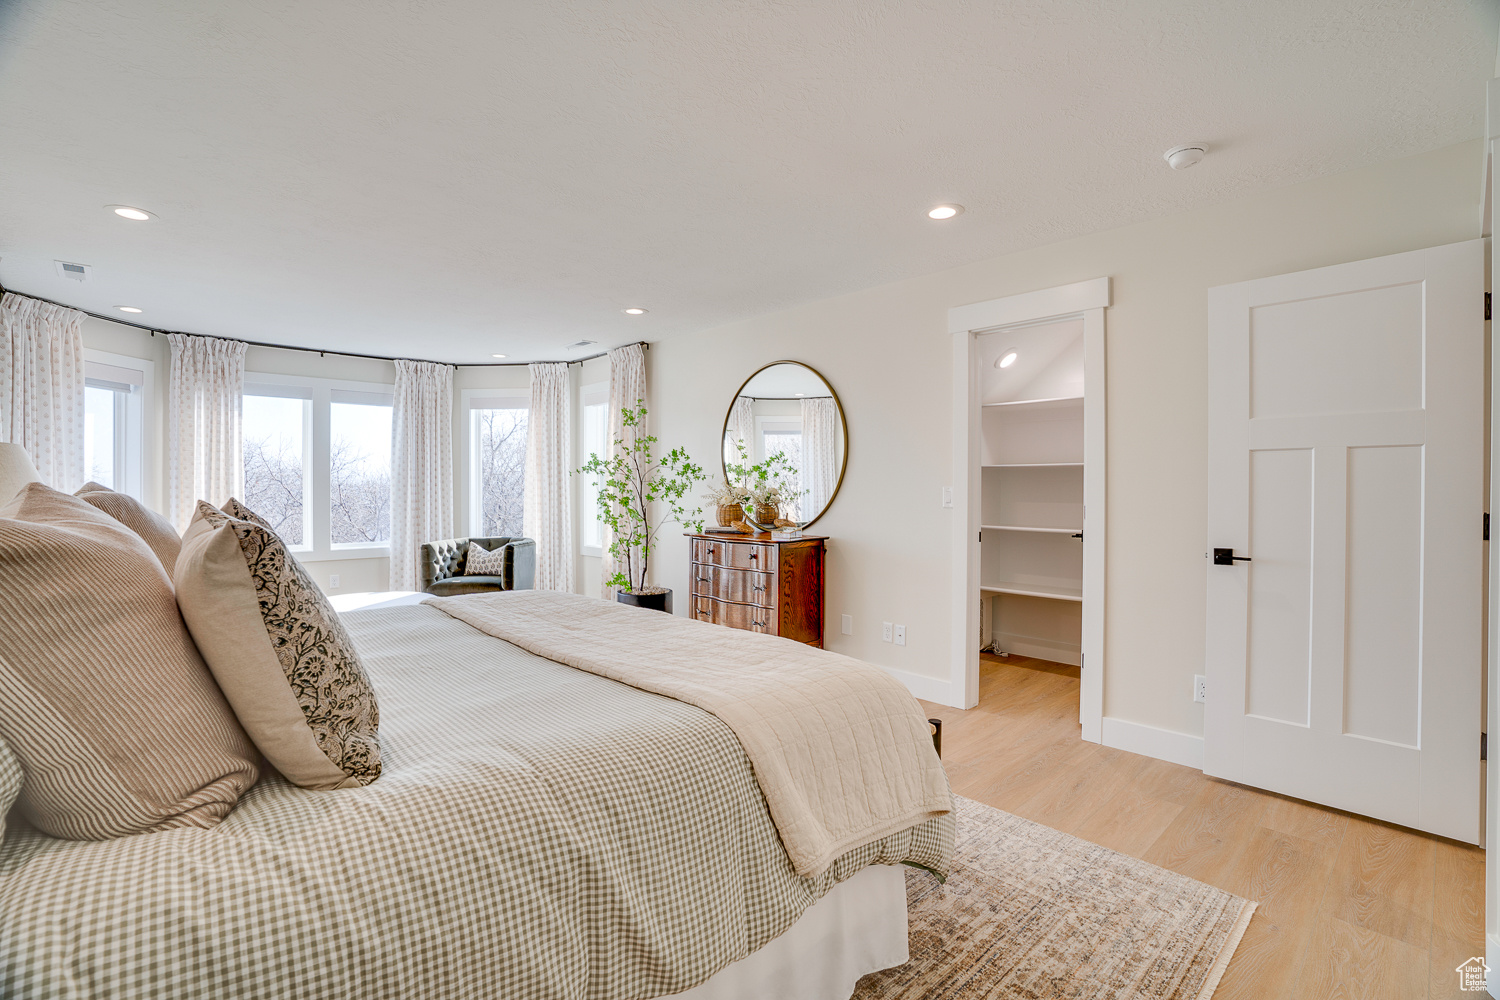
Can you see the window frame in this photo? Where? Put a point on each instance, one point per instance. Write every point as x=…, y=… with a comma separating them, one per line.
x=317, y=445
x=594, y=394
x=132, y=445
x=469, y=485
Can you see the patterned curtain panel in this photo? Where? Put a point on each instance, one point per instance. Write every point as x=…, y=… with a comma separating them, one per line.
x=820, y=453
x=627, y=387
x=421, y=466
x=743, y=425
x=41, y=386
x=548, y=513
x=205, y=449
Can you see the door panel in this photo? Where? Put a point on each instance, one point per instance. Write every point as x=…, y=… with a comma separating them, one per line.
x=1345, y=460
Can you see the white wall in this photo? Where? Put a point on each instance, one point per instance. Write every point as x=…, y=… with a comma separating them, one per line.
x=887, y=353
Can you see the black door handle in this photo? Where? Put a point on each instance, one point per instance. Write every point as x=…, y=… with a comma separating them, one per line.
x=1226, y=557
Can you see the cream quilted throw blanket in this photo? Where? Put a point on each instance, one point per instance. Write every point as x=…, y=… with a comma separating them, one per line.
x=841, y=749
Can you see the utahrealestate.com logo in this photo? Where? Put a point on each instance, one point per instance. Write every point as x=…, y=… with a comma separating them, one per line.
x=1472, y=974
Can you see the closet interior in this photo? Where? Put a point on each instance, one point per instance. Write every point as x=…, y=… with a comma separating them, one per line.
x=1031, y=491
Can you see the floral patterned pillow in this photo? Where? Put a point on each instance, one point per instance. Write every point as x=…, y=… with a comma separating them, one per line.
x=482, y=562
x=279, y=652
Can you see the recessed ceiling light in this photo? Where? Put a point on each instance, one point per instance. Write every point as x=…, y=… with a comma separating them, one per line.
x=1006, y=361
x=133, y=214
x=634, y=311
x=945, y=212
x=1182, y=157
x=127, y=309
x=497, y=355
x=799, y=394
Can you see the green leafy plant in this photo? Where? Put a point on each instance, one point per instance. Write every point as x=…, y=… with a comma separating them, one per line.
x=765, y=483
x=630, y=482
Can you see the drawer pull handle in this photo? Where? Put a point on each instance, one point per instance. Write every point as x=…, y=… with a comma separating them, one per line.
x=754, y=554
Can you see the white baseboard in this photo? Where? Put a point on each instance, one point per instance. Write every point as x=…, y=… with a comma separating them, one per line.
x=938, y=689
x=1163, y=744
x=1039, y=647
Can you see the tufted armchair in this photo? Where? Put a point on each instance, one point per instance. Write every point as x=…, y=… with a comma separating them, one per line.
x=443, y=566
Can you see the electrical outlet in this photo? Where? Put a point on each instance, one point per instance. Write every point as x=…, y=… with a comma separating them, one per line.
x=333, y=581
x=900, y=635
x=848, y=621
x=885, y=631
x=947, y=496
x=1200, y=688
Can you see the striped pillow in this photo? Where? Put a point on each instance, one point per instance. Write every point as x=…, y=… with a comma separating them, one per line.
x=104, y=699
x=151, y=526
x=482, y=562
x=279, y=652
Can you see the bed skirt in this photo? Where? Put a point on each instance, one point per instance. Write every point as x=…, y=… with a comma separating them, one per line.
x=859, y=927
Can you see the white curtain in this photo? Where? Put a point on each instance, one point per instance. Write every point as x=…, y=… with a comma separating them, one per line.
x=548, y=514
x=421, y=466
x=742, y=426
x=627, y=387
x=205, y=448
x=820, y=453
x=41, y=387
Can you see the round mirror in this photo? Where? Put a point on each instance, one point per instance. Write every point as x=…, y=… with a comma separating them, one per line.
x=785, y=444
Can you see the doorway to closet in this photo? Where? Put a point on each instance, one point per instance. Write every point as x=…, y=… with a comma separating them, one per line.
x=1029, y=524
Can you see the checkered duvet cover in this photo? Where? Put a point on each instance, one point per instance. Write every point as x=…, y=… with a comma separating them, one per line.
x=539, y=832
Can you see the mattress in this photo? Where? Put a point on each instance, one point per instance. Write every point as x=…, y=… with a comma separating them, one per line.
x=538, y=832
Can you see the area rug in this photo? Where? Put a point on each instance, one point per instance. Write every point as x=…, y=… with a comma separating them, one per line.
x=1034, y=913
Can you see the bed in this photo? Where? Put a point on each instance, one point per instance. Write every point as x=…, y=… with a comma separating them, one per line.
x=539, y=831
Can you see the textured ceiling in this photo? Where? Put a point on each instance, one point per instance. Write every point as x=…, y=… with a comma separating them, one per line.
x=450, y=180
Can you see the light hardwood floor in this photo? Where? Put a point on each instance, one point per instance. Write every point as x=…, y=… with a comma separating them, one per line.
x=1349, y=907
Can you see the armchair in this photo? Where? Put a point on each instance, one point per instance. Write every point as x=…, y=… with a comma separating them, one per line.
x=443, y=566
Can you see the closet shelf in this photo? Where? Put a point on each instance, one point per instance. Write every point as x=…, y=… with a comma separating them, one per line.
x=1034, y=465
x=1034, y=590
x=1037, y=402
x=1023, y=527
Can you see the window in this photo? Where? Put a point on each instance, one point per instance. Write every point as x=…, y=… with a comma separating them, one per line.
x=595, y=440
x=277, y=479
x=497, y=441
x=318, y=463
x=359, y=470
x=785, y=436
x=114, y=407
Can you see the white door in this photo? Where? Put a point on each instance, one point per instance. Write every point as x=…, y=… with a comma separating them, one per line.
x=1346, y=435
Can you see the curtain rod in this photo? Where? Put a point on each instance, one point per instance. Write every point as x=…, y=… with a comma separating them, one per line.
x=313, y=350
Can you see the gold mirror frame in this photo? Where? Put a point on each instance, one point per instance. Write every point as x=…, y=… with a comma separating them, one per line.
x=843, y=428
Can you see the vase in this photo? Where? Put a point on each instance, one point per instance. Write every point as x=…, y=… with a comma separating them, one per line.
x=767, y=513
x=728, y=513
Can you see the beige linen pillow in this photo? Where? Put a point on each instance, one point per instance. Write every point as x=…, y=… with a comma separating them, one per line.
x=279, y=652
x=483, y=562
x=118, y=725
x=151, y=526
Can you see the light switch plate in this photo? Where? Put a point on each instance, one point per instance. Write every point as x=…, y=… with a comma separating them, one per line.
x=333, y=581
x=885, y=631
x=900, y=635
x=947, y=496
x=848, y=623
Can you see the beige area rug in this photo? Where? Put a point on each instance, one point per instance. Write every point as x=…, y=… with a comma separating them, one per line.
x=1031, y=912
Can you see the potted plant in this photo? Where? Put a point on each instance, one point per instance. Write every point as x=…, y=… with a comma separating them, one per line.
x=630, y=481
x=729, y=501
x=764, y=486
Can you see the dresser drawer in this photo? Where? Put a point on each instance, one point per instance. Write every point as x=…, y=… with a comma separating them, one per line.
x=736, y=555
x=745, y=616
x=742, y=586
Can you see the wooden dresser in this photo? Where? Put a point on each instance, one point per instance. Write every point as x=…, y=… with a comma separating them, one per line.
x=758, y=583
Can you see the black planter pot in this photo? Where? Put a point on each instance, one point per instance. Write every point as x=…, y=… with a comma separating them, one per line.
x=656, y=602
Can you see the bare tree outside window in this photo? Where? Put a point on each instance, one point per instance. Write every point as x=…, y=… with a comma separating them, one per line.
x=359, y=473
x=273, y=485
x=500, y=436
